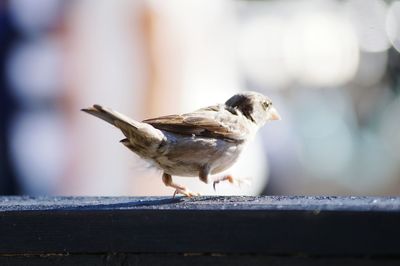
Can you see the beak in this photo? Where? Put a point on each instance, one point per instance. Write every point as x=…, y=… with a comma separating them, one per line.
x=274, y=114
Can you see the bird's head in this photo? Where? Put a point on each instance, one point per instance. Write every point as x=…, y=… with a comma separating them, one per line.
x=254, y=106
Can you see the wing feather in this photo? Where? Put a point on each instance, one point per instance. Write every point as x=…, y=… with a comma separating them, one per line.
x=212, y=121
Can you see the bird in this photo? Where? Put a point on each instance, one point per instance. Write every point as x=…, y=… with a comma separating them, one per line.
x=196, y=144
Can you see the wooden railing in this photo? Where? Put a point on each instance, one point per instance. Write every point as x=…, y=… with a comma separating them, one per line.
x=199, y=231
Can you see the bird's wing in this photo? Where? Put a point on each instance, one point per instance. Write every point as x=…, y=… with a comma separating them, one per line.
x=212, y=121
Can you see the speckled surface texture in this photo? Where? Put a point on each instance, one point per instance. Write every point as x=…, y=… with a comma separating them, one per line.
x=305, y=203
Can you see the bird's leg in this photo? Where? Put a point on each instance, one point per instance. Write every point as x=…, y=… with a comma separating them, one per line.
x=179, y=189
x=230, y=179
x=223, y=178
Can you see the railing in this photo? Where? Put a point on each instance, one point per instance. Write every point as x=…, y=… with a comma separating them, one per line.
x=199, y=231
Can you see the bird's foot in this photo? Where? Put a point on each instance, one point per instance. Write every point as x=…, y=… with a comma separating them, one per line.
x=186, y=192
x=232, y=180
x=179, y=189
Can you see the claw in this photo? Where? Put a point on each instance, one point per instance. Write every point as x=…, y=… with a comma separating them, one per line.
x=223, y=178
x=231, y=180
x=167, y=179
x=186, y=192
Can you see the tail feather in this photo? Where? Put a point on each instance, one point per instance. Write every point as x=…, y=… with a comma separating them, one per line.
x=141, y=137
x=109, y=115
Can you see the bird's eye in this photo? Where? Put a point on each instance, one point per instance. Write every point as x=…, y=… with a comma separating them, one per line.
x=266, y=104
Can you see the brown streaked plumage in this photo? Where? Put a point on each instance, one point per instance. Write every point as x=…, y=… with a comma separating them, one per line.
x=200, y=143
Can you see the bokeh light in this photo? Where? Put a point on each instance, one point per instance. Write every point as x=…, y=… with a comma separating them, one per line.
x=369, y=20
x=39, y=148
x=34, y=70
x=34, y=16
x=261, y=47
x=325, y=133
x=393, y=24
x=322, y=50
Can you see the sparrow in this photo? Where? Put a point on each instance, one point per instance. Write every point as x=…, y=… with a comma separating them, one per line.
x=197, y=144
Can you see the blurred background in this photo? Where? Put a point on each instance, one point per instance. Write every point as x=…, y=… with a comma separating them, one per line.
x=332, y=69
